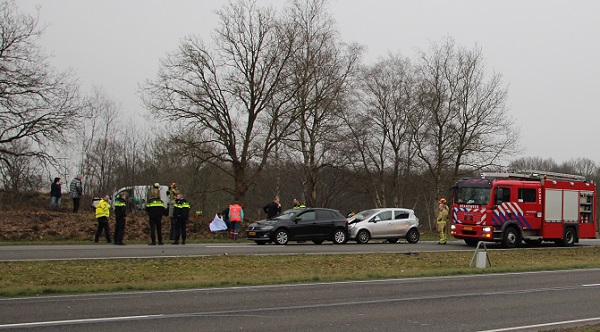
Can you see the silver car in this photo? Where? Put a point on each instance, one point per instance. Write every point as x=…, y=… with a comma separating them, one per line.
x=387, y=223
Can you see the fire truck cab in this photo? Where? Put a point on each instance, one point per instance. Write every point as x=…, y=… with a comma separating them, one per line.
x=530, y=206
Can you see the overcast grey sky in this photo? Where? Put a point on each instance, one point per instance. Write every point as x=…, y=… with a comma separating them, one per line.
x=548, y=51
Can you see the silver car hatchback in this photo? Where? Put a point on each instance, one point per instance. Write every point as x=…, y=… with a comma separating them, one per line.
x=391, y=224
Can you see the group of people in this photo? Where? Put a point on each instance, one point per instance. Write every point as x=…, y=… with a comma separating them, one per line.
x=274, y=208
x=229, y=219
x=178, y=209
x=75, y=191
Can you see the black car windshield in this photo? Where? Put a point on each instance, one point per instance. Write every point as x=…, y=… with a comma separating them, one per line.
x=287, y=215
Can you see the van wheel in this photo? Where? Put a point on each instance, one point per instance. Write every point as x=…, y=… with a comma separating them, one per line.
x=363, y=236
x=511, y=238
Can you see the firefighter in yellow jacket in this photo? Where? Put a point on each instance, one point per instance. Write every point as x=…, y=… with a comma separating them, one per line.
x=102, y=213
x=442, y=220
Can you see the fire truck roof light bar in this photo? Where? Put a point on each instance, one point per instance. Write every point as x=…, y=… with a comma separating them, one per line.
x=533, y=174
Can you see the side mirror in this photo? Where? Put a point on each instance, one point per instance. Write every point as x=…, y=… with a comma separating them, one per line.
x=296, y=220
x=376, y=219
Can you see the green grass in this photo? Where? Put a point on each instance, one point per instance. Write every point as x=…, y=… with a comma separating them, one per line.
x=88, y=276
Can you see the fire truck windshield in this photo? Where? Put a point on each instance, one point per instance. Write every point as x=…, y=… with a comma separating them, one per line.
x=476, y=195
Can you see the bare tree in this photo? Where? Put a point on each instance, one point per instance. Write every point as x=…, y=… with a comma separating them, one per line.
x=233, y=93
x=380, y=129
x=101, y=151
x=322, y=68
x=462, y=124
x=37, y=103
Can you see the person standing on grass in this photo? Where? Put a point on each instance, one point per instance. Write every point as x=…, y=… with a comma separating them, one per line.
x=120, y=215
x=102, y=214
x=181, y=214
x=55, y=193
x=442, y=219
x=172, y=192
x=156, y=209
x=76, y=190
x=272, y=208
x=236, y=216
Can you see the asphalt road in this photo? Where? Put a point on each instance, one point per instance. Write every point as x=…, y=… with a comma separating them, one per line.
x=498, y=302
x=101, y=251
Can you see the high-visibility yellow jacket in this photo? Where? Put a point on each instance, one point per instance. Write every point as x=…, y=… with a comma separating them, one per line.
x=102, y=209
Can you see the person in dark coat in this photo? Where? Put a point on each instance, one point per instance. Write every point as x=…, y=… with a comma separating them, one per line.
x=55, y=193
x=272, y=208
x=181, y=214
x=120, y=214
x=156, y=210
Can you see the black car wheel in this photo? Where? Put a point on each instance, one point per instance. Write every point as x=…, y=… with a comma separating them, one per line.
x=340, y=236
x=413, y=236
x=363, y=236
x=282, y=237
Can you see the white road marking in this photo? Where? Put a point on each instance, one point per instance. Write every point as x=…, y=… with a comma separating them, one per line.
x=517, y=328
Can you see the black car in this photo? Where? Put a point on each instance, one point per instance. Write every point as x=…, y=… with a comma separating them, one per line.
x=311, y=224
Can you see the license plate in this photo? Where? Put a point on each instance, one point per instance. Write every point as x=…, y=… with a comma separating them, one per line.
x=252, y=233
x=468, y=228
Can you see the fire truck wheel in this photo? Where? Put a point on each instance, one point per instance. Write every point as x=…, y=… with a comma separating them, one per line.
x=511, y=238
x=568, y=239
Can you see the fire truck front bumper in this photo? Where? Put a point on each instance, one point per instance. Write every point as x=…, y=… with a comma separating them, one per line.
x=478, y=232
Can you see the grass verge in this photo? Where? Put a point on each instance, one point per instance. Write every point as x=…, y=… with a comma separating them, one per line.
x=88, y=276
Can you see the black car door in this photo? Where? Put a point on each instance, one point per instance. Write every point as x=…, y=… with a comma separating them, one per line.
x=304, y=226
x=325, y=224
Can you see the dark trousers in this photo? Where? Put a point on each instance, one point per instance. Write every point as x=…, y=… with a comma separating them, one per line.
x=76, y=204
x=102, y=226
x=155, y=228
x=180, y=230
x=119, y=229
x=173, y=230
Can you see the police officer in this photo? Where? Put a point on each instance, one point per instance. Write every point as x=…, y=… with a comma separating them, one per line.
x=156, y=209
x=120, y=214
x=298, y=205
x=442, y=219
x=181, y=214
x=102, y=213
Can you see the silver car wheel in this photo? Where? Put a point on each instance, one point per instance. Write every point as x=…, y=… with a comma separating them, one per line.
x=339, y=237
x=363, y=236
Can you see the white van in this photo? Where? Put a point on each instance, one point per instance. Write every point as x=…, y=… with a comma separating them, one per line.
x=136, y=196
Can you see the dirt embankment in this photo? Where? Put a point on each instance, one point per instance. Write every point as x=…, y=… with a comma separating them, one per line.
x=57, y=225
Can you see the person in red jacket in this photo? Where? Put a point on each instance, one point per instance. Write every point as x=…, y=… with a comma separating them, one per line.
x=236, y=216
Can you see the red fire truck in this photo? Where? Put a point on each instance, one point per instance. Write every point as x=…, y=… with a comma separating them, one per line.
x=530, y=206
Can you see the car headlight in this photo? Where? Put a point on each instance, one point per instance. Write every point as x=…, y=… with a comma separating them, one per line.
x=486, y=229
x=453, y=227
